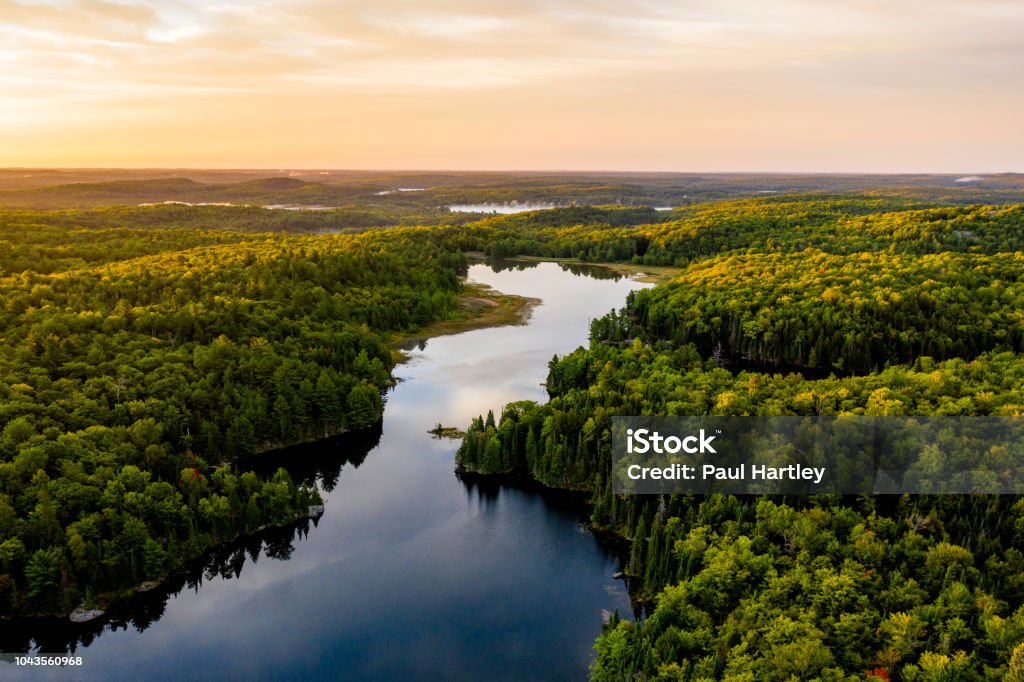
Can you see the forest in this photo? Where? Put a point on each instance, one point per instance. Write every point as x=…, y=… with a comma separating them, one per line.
x=148, y=351
x=139, y=366
x=793, y=306
x=426, y=192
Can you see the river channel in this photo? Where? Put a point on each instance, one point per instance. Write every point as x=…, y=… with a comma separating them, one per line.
x=411, y=573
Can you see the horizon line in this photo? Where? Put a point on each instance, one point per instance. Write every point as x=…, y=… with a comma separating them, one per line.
x=322, y=169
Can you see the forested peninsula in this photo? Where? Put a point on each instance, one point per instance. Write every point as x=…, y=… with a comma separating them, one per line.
x=139, y=366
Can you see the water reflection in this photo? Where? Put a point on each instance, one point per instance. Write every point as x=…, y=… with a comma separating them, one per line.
x=580, y=269
x=139, y=612
x=321, y=462
x=411, y=573
x=505, y=209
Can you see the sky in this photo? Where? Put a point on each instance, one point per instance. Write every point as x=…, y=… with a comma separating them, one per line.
x=658, y=85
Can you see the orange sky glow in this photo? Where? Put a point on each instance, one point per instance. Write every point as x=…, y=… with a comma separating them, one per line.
x=695, y=85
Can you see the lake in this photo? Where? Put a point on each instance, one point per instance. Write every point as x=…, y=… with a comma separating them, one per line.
x=411, y=573
x=505, y=209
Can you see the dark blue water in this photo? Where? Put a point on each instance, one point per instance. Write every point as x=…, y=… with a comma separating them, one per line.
x=411, y=573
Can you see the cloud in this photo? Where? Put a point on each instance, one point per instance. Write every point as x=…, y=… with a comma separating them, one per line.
x=444, y=43
x=74, y=62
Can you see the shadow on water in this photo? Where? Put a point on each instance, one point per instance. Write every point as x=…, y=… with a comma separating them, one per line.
x=319, y=462
x=412, y=571
x=140, y=611
x=579, y=269
x=491, y=486
x=485, y=491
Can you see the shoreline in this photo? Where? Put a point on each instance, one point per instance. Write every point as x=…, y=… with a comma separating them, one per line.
x=96, y=611
x=480, y=307
x=650, y=274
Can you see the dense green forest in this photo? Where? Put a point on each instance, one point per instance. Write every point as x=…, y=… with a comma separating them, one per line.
x=833, y=224
x=793, y=306
x=147, y=349
x=139, y=365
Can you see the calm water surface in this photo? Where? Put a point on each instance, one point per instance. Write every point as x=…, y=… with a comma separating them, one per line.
x=512, y=207
x=411, y=573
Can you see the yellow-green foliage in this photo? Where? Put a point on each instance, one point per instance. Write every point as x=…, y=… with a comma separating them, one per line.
x=135, y=362
x=870, y=305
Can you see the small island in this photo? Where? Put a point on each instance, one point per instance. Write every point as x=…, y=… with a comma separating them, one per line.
x=440, y=432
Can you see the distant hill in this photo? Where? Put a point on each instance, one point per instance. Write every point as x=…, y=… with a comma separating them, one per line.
x=423, y=190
